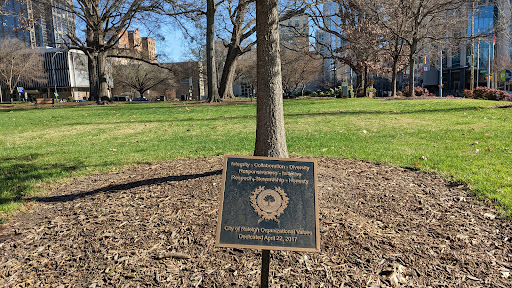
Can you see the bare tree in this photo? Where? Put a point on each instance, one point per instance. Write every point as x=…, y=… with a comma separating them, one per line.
x=391, y=24
x=358, y=37
x=19, y=64
x=237, y=16
x=270, y=131
x=193, y=10
x=246, y=69
x=299, y=68
x=105, y=22
x=431, y=21
x=240, y=30
x=503, y=34
x=141, y=76
x=211, y=70
x=394, y=24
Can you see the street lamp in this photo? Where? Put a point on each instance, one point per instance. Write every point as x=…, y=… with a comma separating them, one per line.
x=53, y=69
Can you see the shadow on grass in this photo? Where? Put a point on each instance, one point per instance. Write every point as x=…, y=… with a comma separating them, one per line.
x=360, y=112
x=121, y=187
x=385, y=112
x=18, y=175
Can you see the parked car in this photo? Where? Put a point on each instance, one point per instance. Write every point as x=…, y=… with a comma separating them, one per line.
x=140, y=99
x=121, y=99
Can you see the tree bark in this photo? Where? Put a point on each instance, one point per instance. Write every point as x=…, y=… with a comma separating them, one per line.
x=365, y=80
x=412, y=61
x=228, y=73
x=393, y=77
x=270, y=131
x=102, y=74
x=91, y=67
x=411, y=76
x=93, y=79
x=211, y=70
x=234, y=50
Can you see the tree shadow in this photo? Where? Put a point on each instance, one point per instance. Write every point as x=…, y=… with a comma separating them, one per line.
x=125, y=186
x=384, y=112
x=18, y=175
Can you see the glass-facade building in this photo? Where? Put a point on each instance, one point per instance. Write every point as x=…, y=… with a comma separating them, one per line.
x=335, y=73
x=51, y=27
x=492, y=48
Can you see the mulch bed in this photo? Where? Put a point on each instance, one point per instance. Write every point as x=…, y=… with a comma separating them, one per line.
x=154, y=225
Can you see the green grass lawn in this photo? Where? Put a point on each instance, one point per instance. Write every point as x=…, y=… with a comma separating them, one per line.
x=463, y=140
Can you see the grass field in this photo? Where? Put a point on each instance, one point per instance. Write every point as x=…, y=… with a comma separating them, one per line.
x=464, y=140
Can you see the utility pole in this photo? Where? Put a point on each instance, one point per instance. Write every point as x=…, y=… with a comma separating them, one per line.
x=472, y=79
x=441, y=73
x=478, y=63
x=489, y=67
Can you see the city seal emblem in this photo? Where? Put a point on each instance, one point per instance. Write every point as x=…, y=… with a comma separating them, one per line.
x=269, y=203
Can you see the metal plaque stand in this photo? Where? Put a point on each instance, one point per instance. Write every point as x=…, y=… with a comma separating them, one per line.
x=265, y=263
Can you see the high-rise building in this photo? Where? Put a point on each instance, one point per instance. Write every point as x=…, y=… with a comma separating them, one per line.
x=328, y=45
x=50, y=27
x=491, y=25
x=296, y=28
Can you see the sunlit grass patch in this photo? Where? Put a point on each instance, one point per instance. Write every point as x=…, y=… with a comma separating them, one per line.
x=463, y=140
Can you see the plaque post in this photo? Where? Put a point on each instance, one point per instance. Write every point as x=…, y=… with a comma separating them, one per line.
x=265, y=263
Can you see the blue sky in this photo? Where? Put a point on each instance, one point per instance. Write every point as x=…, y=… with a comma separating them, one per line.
x=174, y=46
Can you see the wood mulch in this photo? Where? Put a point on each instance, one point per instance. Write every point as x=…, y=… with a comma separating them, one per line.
x=154, y=225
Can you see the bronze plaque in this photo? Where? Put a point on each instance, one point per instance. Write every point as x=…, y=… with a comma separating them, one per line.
x=269, y=203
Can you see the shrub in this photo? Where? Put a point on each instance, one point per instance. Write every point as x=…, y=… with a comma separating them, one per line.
x=429, y=94
x=399, y=94
x=406, y=91
x=360, y=91
x=467, y=93
x=489, y=94
x=418, y=91
x=351, y=91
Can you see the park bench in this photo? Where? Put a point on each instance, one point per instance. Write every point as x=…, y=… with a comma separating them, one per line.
x=45, y=101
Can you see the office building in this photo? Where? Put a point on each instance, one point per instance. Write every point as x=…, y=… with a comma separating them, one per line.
x=328, y=46
x=50, y=27
x=492, y=52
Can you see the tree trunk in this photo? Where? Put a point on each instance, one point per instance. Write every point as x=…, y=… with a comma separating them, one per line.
x=411, y=76
x=361, y=83
x=393, y=77
x=92, y=40
x=412, y=61
x=270, y=131
x=211, y=70
x=365, y=78
x=102, y=74
x=234, y=50
x=228, y=73
x=93, y=79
